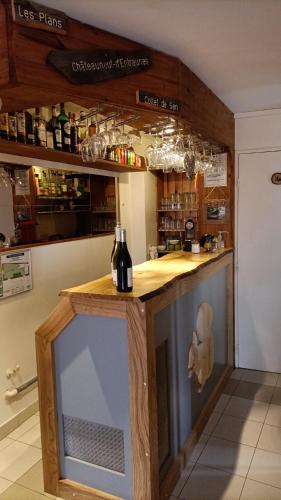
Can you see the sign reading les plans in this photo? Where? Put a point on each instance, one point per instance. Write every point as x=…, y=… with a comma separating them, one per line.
x=93, y=66
x=38, y=16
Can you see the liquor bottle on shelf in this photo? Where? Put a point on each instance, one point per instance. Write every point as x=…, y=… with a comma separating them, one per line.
x=92, y=127
x=13, y=133
x=54, y=135
x=4, y=125
x=21, y=127
x=29, y=128
x=114, y=253
x=73, y=134
x=65, y=129
x=81, y=131
x=40, y=135
x=124, y=266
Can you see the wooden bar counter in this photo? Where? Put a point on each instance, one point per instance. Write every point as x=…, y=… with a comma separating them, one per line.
x=119, y=409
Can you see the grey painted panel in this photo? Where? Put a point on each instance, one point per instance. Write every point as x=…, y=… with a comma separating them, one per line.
x=91, y=360
x=177, y=323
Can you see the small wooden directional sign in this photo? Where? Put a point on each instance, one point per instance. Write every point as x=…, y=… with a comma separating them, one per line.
x=152, y=100
x=92, y=66
x=38, y=16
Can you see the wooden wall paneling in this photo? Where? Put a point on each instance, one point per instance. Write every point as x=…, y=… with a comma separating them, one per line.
x=203, y=110
x=45, y=335
x=160, y=78
x=4, y=51
x=218, y=193
x=143, y=403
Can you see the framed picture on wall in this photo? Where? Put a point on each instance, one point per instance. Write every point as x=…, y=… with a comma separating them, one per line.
x=216, y=211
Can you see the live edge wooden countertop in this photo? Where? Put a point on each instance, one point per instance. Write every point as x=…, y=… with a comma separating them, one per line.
x=150, y=278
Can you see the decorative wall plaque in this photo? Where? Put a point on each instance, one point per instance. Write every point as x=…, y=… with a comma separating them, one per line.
x=92, y=66
x=276, y=178
x=38, y=16
x=155, y=101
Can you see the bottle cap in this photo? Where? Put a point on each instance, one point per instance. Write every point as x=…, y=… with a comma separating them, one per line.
x=123, y=235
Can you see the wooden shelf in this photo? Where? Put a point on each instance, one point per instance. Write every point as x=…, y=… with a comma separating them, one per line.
x=50, y=212
x=37, y=152
x=171, y=230
x=177, y=209
x=103, y=211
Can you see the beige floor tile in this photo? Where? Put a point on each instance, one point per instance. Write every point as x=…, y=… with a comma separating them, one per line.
x=181, y=482
x=231, y=386
x=270, y=439
x=276, y=398
x=222, y=403
x=212, y=484
x=197, y=450
x=231, y=457
x=17, y=492
x=265, y=378
x=279, y=381
x=211, y=424
x=273, y=416
x=247, y=409
x=257, y=491
x=266, y=467
x=16, y=459
x=237, y=373
x=5, y=442
x=250, y=390
x=33, y=478
x=238, y=430
x=4, y=484
x=28, y=424
x=32, y=437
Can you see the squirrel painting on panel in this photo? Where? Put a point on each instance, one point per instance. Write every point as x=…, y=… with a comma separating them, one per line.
x=201, y=352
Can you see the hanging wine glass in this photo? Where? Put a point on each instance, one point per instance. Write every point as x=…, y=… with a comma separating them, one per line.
x=122, y=139
x=114, y=132
x=98, y=144
x=86, y=149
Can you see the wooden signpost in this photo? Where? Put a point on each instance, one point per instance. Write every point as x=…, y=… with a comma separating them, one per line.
x=92, y=66
x=152, y=100
x=38, y=16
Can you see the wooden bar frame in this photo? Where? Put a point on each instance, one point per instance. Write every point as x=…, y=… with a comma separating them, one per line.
x=142, y=385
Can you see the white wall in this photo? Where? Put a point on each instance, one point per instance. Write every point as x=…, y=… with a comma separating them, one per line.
x=138, y=212
x=258, y=131
x=54, y=267
x=138, y=208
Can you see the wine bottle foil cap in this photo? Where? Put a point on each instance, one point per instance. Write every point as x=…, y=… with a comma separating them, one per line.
x=123, y=235
x=118, y=232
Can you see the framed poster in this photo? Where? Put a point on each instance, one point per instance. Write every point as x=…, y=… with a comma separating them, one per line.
x=216, y=211
x=217, y=177
x=15, y=273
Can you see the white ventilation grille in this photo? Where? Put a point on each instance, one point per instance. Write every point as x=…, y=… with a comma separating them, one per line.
x=94, y=443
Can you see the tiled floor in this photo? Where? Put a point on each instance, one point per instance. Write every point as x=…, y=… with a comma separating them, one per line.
x=239, y=453
x=237, y=457
x=21, y=465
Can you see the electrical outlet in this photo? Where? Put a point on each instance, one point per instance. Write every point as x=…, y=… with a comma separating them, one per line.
x=11, y=372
